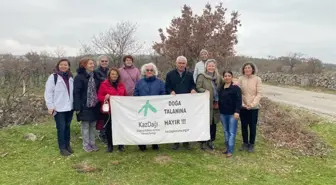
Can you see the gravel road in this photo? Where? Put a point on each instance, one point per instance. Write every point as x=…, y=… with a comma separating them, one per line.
x=318, y=102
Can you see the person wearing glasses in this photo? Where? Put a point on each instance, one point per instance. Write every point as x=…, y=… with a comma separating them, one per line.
x=149, y=85
x=101, y=72
x=103, y=68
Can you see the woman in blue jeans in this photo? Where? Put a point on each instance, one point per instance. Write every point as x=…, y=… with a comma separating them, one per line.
x=230, y=102
x=59, y=100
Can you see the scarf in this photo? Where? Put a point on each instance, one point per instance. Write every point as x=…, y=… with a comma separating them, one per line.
x=65, y=76
x=114, y=84
x=214, y=84
x=91, y=99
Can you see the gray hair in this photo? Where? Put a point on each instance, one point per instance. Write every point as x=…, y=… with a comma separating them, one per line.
x=211, y=61
x=143, y=69
x=204, y=51
x=181, y=58
x=100, y=57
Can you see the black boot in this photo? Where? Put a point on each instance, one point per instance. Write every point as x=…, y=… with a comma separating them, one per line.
x=176, y=146
x=210, y=145
x=187, y=146
x=202, y=146
x=244, y=147
x=69, y=149
x=155, y=147
x=121, y=148
x=65, y=152
x=109, y=148
x=250, y=148
x=142, y=148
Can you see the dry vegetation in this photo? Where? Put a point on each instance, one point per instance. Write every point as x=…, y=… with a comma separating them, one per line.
x=286, y=127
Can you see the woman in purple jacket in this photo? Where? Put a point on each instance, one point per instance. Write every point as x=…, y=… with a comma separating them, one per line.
x=129, y=74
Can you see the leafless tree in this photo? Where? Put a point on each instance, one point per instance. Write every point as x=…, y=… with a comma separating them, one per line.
x=291, y=60
x=60, y=52
x=115, y=42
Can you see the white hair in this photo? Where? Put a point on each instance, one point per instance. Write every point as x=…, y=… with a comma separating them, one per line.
x=181, y=58
x=204, y=51
x=143, y=69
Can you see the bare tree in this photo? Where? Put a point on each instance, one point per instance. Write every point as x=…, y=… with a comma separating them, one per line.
x=314, y=65
x=291, y=60
x=60, y=52
x=115, y=42
x=17, y=104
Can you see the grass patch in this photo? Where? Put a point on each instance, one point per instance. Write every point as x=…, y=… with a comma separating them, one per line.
x=38, y=162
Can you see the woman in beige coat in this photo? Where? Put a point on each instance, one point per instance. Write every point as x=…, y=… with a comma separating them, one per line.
x=251, y=87
x=210, y=81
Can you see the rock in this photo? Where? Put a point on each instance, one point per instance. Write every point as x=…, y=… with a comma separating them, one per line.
x=325, y=80
x=30, y=137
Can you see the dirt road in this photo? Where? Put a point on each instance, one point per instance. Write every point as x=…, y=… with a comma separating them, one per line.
x=318, y=102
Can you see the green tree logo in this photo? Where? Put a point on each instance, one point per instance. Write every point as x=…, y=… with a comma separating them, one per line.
x=146, y=107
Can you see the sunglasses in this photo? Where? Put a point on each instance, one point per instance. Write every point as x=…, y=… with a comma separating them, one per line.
x=104, y=61
x=149, y=70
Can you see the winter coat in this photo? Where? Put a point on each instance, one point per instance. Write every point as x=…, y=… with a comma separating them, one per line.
x=199, y=68
x=101, y=74
x=230, y=100
x=203, y=83
x=80, y=96
x=149, y=87
x=129, y=76
x=57, y=95
x=107, y=88
x=179, y=84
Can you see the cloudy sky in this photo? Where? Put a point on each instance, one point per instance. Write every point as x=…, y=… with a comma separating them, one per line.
x=270, y=27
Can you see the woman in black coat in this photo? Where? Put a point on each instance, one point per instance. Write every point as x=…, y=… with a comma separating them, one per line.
x=86, y=104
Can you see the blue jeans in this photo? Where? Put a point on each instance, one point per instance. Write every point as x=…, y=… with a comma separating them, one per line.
x=63, y=121
x=230, y=129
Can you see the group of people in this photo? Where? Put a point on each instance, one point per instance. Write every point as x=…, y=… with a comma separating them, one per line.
x=85, y=94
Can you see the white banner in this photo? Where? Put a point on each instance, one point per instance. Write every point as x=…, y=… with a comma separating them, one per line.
x=160, y=119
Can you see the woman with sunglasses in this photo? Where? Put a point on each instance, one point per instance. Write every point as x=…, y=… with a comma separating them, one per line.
x=149, y=85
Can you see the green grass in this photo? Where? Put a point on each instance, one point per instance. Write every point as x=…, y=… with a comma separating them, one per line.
x=39, y=162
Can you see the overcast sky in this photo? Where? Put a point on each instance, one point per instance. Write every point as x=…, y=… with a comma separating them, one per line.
x=270, y=27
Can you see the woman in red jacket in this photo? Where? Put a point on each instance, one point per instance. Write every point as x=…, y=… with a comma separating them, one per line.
x=111, y=87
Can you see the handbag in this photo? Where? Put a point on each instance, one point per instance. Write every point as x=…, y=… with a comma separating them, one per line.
x=106, y=107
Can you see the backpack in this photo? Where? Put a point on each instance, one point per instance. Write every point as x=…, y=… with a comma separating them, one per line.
x=55, y=78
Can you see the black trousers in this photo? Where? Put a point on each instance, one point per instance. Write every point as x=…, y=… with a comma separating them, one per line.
x=144, y=147
x=108, y=130
x=213, y=131
x=249, y=120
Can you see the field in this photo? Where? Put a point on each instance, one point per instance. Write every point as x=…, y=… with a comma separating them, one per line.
x=38, y=162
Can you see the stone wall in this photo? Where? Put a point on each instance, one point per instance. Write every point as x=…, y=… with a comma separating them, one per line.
x=327, y=81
